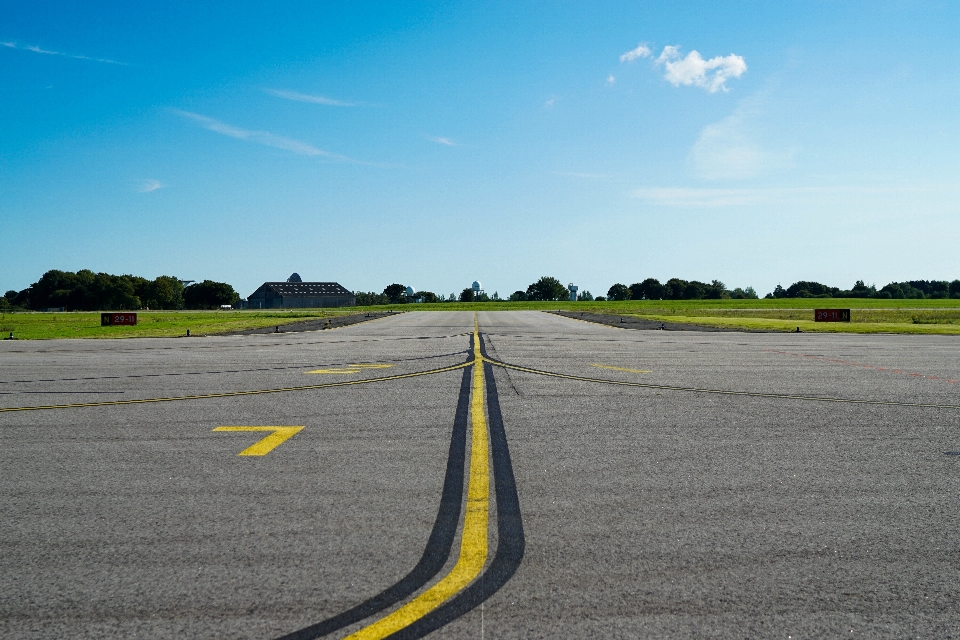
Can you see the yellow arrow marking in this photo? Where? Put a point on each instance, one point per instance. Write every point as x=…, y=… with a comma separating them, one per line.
x=606, y=366
x=351, y=368
x=268, y=444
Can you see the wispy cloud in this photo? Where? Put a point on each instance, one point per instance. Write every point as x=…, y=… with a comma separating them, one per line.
x=693, y=70
x=696, y=197
x=260, y=137
x=552, y=100
x=610, y=79
x=444, y=141
x=642, y=51
x=146, y=186
x=303, y=97
x=729, y=149
x=48, y=52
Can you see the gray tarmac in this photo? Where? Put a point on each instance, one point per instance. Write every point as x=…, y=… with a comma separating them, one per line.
x=646, y=512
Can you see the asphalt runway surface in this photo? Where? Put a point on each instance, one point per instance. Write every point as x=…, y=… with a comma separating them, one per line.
x=552, y=479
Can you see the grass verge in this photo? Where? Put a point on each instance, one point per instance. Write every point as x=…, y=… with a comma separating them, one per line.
x=152, y=324
x=808, y=326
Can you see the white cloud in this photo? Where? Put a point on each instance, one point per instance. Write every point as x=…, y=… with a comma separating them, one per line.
x=550, y=102
x=146, y=186
x=611, y=79
x=444, y=141
x=642, y=51
x=260, y=137
x=729, y=149
x=35, y=49
x=693, y=70
x=303, y=97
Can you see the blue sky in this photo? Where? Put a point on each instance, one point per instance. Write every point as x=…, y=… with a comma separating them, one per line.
x=437, y=143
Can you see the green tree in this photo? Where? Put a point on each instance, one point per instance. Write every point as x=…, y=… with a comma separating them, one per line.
x=427, y=296
x=716, y=290
x=649, y=289
x=209, y=295
x=466, y=295
x=674, y=289
x=585, y=296
x=370, y=298
x=807, y=289
x=547, y=288
x=518, y=296
x=860, y=290
x=165, y=292
x=694, y=290
x=396, y=293
x=744, y=294
x=618, y=292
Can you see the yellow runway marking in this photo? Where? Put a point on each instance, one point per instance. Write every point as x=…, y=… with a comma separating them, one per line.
x=351, y=368
x=233, y=394
x=607, y=366
x=473, y=544
x=268, y=444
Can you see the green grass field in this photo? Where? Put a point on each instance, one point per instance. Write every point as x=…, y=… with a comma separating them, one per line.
x=154, y=324
x=867, y=316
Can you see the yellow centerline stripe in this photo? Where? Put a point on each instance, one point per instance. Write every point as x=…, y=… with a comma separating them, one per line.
x=231, y=394
x=751, y=394
x=473, y=542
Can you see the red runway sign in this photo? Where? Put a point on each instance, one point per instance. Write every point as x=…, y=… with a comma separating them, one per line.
x=112, y=319
x=831, y=315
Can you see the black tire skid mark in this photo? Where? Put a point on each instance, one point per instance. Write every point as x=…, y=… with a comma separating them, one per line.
x=256, y=370
x=439, y=543
x=510, y=538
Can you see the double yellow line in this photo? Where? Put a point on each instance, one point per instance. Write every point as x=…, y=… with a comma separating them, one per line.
x=473, y=542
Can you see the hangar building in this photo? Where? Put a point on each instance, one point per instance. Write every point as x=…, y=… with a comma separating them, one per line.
x=295, y=294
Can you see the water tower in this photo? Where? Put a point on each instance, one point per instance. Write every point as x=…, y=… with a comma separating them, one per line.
x=477, y=288
x=573, y=292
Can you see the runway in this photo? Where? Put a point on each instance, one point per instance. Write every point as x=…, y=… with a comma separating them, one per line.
x=500, y=474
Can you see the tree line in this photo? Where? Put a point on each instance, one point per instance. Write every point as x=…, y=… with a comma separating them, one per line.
x=551, y=289
x=917, y=289
x=89, y=291
x=397, y=294
x=548, y=288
